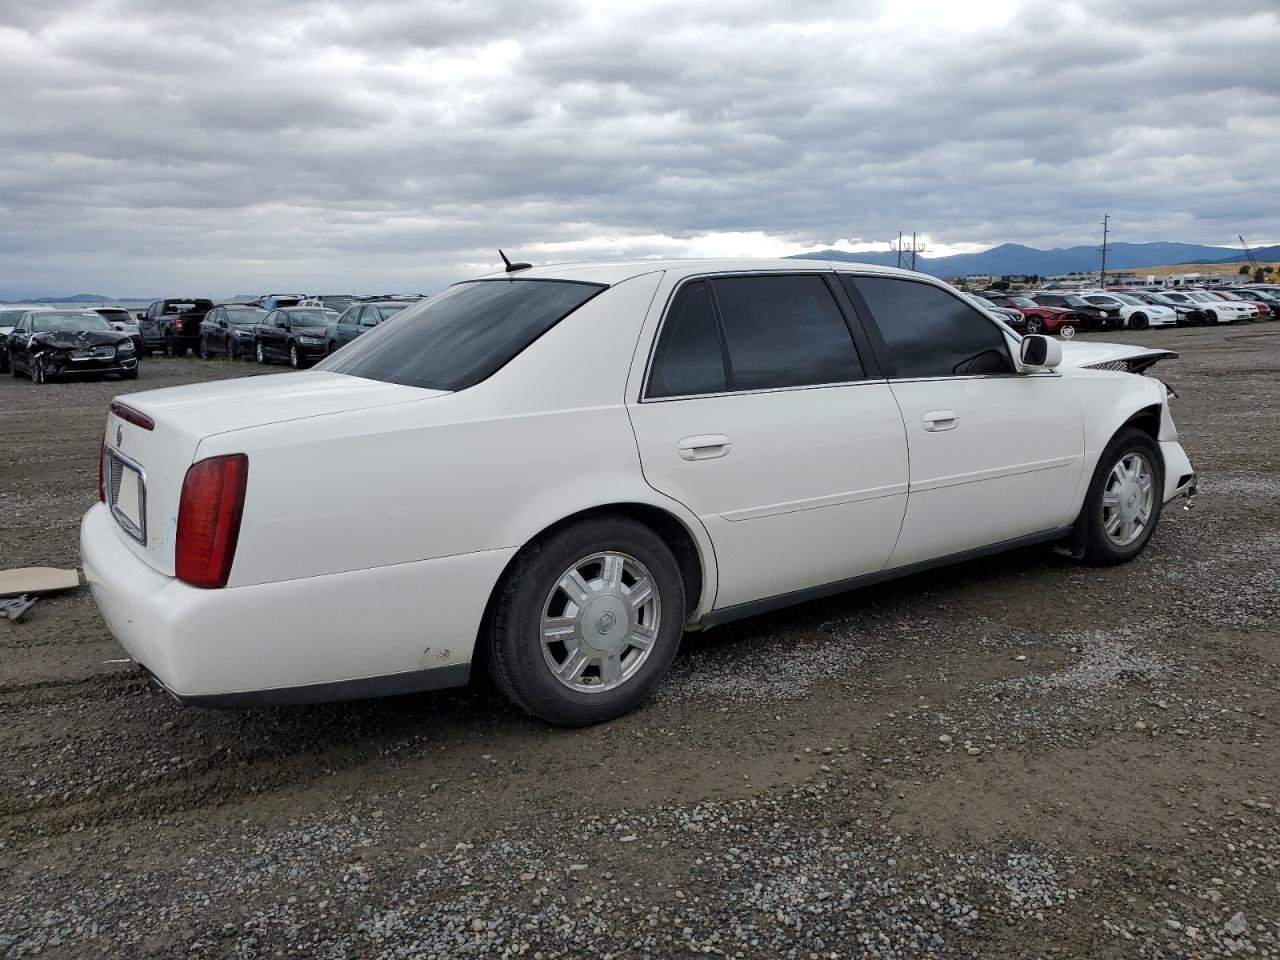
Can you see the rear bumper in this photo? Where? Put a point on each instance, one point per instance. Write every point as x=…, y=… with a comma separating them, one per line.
x=363, y=633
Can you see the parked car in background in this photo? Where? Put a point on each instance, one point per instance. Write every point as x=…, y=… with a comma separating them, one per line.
x=230, y=330
x=1039, y=318
x=9, y=317
x=120, y=319
x=1268, y=296
x=1217, y=310
x=338, y=301
x=1240, y=296
x=273, y=301
x=759, y=433
x=293, y=334
x=176, y=323
x=1014, y=318
x=1134, y=313
x=1092, y=316
x=1184, y=313
x=360, y=318
x=57, y=343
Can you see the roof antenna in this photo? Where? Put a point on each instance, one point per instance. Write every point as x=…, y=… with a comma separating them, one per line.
x=513, y=267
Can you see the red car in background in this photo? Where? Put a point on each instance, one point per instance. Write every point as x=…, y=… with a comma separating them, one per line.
x=1040, y=319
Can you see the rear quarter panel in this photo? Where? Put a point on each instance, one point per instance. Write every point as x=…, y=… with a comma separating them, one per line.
x=484, y=469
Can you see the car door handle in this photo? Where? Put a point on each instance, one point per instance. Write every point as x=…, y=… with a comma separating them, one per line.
x=705, y=447
x=939, y=420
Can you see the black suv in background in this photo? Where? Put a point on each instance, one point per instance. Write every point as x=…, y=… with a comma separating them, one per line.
x=174, y=324
x=229, y=330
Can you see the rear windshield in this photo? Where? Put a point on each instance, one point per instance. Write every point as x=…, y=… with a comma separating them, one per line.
x=466, y=334
x=186, y=306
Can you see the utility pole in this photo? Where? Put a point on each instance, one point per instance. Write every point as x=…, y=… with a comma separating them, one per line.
x=1102, y=280
x=914, y=250
x=898, y=248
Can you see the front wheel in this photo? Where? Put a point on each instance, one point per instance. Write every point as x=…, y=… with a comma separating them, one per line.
x=204, y=349
x=587, y=622
x=295, y=358
x=1124, y=500
x=38, y=375
x=229, y=349
x=1139, y=321
x=259, y=354
x=1034, y=325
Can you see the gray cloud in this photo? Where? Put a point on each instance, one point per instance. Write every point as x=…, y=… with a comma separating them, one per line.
x=223, y=147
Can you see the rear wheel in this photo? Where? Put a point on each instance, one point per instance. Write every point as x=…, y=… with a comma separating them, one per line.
x=1124, y=500
x=587, y=622
x=170, y=348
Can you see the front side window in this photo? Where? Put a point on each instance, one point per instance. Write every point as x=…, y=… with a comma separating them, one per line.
x=464, y=335
x=689, y=359
x=929, y=332
x=784, y=331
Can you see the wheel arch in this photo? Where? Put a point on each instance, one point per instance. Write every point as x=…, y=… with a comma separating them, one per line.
x=693, y=553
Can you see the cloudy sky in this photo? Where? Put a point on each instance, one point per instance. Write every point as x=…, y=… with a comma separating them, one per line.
x=154, y=147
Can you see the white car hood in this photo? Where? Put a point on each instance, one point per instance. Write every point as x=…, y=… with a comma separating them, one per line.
x=1077, y=354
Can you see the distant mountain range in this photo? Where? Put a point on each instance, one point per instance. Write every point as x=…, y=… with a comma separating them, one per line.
x=1014, y=258
x=1007, y=258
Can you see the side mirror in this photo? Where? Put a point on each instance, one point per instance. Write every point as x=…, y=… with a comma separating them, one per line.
x=1040, y=353
x=141, y=316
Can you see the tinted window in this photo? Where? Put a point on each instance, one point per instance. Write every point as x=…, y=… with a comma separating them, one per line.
x=689, y=359
x=784, y=332
x=455, y=340
x=244, y=315
x=931, y=333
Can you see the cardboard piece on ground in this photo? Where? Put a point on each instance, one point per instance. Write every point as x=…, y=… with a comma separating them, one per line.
x=37, y=580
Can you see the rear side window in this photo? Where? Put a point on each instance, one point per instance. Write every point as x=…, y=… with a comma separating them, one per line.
x=689, y=359
x=784, y=331
x=466, y=334
x=929, y=332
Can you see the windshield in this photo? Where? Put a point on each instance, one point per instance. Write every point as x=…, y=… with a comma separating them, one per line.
x=67, y=322
x=1126, y=298
x=119, y=316
x=464, y=335
x=983, y=301
x=1227, y=295
x=9, y=317
x=1022, y=301
x=1202, y=297
x=311, y=318
x=244, y=315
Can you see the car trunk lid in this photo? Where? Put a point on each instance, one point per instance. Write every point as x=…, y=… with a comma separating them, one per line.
x=152, y=438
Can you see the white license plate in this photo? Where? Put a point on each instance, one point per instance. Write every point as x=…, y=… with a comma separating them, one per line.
x=129, y=498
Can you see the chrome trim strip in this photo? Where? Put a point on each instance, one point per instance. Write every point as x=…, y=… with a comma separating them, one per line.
x=994, y=474
x=813, y=503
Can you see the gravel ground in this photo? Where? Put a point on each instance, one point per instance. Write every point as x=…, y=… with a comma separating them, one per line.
x=1020, y=757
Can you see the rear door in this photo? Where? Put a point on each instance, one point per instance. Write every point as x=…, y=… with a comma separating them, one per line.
x=995, y=455
x=762, y=416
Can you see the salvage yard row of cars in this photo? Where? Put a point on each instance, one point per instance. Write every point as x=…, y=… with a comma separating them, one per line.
x=299, y=330
x=851, y=423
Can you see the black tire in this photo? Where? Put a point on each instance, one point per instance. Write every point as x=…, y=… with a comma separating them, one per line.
x=204, y=349
x=260, y=353
x=1035, y=325
x=229, y=350
x=295, y=357
x=513, y=646
x=1099, y=548
x=1139, y=321
x=332, y=347
x=37, y=374
x=1211, y=318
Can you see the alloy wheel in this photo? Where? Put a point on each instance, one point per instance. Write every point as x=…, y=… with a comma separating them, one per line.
x=600, y=621
x=1128, y=499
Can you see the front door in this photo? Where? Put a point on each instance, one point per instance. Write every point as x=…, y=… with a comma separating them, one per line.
x=995, y=455
x=759, y=415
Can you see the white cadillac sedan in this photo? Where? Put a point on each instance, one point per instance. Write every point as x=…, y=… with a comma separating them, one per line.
x=557, y=471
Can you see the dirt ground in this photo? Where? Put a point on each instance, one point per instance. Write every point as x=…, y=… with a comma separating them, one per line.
x=1017, y=757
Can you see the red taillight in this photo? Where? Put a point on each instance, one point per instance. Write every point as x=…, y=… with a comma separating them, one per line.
x=102, y=455
x=209, y=520
x=130, y=415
